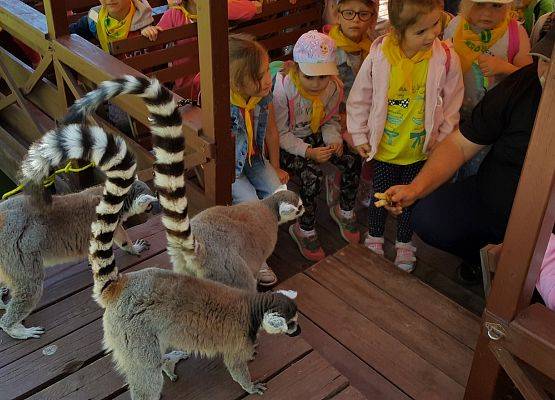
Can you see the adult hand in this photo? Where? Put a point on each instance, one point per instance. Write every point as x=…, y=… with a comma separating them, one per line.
x=491, y=65
x=364, y=150
x=337, y=149
x=282, y=175
x=319, y=154
x=401, y=196
x=151, y=32
x=258, y=5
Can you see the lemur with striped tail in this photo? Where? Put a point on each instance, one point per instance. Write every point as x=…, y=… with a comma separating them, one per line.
x=152, y=310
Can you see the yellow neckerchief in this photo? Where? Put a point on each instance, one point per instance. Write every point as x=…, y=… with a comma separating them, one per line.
x=109, y=29
x=395, y=56
x=318, y=111
x=238, y=100
x=349, y=46
x=469, y=44
x=188, y=15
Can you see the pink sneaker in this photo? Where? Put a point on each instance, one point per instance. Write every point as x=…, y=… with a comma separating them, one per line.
x=347, y=226
x=309, y=246
x=374, y=244
x=406, y=256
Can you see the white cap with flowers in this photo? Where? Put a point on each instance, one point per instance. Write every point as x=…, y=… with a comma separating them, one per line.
x=315, y=54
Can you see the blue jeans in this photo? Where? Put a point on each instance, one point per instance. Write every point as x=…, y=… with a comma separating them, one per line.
x=257, y=181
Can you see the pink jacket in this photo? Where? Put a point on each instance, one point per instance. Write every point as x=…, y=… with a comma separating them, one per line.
x=173, y=18
x=367, y=103
x=546, y=280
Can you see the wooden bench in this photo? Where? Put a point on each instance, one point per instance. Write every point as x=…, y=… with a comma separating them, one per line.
x=279, y=25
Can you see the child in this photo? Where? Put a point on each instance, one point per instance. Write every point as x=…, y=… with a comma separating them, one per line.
x=253, y=125
x=546, y=279
x=307, y=101
x=529, y=11
x=405, y=99
x=185, y=12
x=113, y=20
x=491, y=45
x=356, y=18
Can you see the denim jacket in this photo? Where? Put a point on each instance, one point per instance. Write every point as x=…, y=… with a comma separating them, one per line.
x=239, y=130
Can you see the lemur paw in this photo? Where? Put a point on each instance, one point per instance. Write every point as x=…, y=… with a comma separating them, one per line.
x=3, y=291
x=140, y=245
x=169, y=361
x=257, y=388
x=18, y=331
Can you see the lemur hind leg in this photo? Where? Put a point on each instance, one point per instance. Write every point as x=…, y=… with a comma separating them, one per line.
x=26, y=291
x=3, y=292
x=169, y=362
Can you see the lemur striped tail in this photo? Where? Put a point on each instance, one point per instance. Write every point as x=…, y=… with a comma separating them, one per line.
x=77, y=140
x=169, y=146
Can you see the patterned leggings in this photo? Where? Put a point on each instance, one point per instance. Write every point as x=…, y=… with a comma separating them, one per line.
x=311, y=179
x=385, y=176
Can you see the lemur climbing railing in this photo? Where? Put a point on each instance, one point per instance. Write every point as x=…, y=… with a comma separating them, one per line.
x=68, y=65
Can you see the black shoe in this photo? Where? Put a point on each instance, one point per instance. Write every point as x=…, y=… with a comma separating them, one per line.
x=468, y=274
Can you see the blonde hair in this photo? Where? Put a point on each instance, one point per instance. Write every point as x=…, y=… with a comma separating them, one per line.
x=401, y=19
x=245, y=58
x=466, y=6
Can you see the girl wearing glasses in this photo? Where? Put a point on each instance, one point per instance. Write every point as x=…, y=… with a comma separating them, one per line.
x=405, y=99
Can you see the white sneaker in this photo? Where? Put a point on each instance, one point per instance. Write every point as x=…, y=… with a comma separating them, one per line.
x=374, y=244
x=406, y=256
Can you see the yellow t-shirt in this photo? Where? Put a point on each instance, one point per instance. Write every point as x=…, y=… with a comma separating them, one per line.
x=402, y=142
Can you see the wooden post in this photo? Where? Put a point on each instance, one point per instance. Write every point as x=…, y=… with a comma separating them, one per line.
x=528, y=231
x=214, y=67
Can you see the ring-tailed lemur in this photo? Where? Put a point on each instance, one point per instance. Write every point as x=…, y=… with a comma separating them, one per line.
x=37, y=237
x=224, y=244
x=149, y=311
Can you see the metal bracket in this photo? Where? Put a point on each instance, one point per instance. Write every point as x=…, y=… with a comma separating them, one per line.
x=495, y=331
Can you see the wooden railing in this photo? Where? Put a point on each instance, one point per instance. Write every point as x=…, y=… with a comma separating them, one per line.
x=39, y=96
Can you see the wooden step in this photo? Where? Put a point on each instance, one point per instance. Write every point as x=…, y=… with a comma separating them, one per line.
x=417, y=339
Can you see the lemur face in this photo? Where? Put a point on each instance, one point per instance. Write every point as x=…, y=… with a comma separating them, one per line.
x=143, y=203
x=290, y=206
x=276, y=322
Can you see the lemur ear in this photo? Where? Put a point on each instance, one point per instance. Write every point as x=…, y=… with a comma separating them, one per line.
x=273, y=323
x=281, y=188
x=288, y=293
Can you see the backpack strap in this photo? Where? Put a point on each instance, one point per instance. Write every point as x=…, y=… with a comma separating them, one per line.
x=514, y=40
x=448, y=58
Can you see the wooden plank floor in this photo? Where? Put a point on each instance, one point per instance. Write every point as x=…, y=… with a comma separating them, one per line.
x=369, y=331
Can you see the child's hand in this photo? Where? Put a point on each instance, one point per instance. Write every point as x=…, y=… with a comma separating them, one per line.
x=364, y=150
x=151, y=32
x=282, y=175
x=319, y=154
x=337, y=149
x=492, y=65
x=258, y=6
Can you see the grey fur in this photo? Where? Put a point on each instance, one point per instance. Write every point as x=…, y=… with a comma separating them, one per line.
x=35, y=238
x=233, y=242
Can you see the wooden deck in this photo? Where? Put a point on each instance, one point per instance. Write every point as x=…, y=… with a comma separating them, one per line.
x=369, y=331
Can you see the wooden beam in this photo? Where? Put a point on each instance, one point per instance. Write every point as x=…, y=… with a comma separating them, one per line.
x=11, y=154
x=56, y=18
x=214, y=64
x=25, y=23
x=529, y=389
x=7, y=101
x=530, y=225
x=38, y=73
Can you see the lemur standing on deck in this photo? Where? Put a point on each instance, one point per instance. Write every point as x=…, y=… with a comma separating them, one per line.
x=149, y=311
x=39, y=231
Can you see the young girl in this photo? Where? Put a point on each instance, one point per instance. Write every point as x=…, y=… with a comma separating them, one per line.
x=356, y=19
x=113, y=20
x=253, y=125
x=183, y=12
x=307, y=101
x=405, y=99
x=528, y=12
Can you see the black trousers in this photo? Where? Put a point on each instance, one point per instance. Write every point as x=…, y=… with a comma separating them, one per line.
x=454, y=219
x=385, y=176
